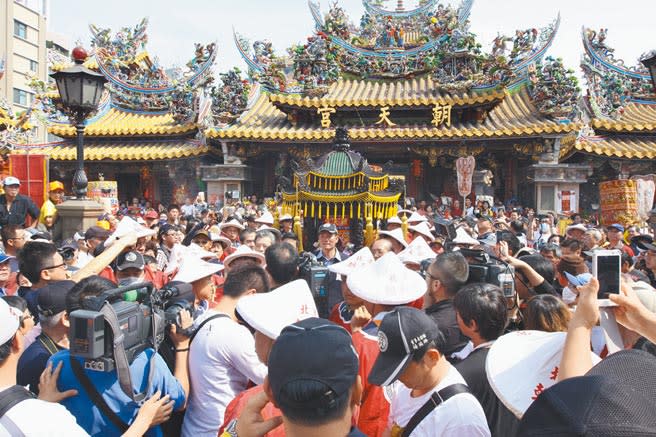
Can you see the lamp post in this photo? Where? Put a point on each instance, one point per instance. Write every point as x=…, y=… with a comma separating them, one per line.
x=649, y=61
x=80, y=90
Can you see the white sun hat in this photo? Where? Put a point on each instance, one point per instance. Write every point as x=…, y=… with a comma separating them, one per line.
x=234, y=223
x=195, y=251
x=269, y=313
x=416, y=218
x=285, y=217
x=523, y=364
x=417, y=251
x=358, y=260
x=462, y=237
x=9, y=321
x=394, y=220
x=423, y=229
x=396, y=234
x=128, y=226
x=193, y=269
x=266, y=218
x=387, y=282
x=244, y=251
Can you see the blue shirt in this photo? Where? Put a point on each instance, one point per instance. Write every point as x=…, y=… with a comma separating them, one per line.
x=89, y=416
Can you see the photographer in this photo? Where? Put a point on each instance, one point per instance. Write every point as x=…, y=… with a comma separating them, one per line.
x=528, y=282
x=86, y=407
x=54, y=323
x=444, y=277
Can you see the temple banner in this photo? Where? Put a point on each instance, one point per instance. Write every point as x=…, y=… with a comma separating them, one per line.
x=105, y=193
x=619, y=202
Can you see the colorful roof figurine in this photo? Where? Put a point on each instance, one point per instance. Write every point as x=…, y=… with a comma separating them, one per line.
x=620, y=103
x=341, y=184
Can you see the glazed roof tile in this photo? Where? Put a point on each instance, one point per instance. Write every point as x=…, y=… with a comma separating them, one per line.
x=618, y=147
x=514, y=116
x=637, y=117
x=117, y=122
x=124, y=151
x=361, y=93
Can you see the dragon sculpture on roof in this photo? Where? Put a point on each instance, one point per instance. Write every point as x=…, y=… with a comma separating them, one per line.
x=429, y=40
x=611, y=84
x=138, y=82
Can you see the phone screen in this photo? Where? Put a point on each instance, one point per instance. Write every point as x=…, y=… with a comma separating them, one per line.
x=608, y=274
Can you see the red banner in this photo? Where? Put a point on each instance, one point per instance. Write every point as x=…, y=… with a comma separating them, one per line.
x=32, y=171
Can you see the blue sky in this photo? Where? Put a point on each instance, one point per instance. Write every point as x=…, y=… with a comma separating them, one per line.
x=174, y=26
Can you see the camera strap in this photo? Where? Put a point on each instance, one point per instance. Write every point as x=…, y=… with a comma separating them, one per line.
x=121, y=359
x=203, y=323
x=96, y=397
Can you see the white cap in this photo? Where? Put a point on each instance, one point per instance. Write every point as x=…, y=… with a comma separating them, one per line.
x=394, y=220
x=396, y=234
x=406, y=212
x=520, y=362
x=234, y=222
x=128, y=226
x=285, y=217
x=269, y=313
x=358, y=260
x=193, y=269
x=387, y=282
x=10, y=180
x=416, y=218
x=579, y=226
x=423, y=229
x=417, y=251
x=244, y=251
x=9, y=321
x=266, y=218
x=462, y=237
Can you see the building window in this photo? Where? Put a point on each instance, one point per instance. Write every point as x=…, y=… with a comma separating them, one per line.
x=21, y=97
x=20, y=29
x=34, y=66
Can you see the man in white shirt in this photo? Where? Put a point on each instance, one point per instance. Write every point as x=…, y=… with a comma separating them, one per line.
x=222, y=356
x=410, y=351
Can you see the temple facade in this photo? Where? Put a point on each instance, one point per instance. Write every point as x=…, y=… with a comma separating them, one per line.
x=414, y=90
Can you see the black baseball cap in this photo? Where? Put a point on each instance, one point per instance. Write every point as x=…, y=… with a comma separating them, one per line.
x=130, y=260
x=615, y=398
x=401, y=334
x=96, y=232
x=328, y=227
x=166, y=228
x=51, y=299
x=312, y=349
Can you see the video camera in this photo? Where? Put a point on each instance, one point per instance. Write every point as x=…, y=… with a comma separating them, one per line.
x=484, y=269
x=316, y=276
x=108, y=322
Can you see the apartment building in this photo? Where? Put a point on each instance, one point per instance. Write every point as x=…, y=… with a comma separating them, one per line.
x=23, y=49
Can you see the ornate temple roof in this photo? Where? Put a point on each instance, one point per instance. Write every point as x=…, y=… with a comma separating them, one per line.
x=128, y=150
x=634, y=117
x=514, y=116
x=118, y=122
x=358, y=93
x=634, y=147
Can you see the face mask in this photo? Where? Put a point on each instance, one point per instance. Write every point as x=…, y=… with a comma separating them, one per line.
x=544, y=227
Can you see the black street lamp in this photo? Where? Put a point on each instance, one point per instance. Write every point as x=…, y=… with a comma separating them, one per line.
x=80, y=90
x=649, y=61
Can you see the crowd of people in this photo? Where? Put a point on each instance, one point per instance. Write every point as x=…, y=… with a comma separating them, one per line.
x=414, y=343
